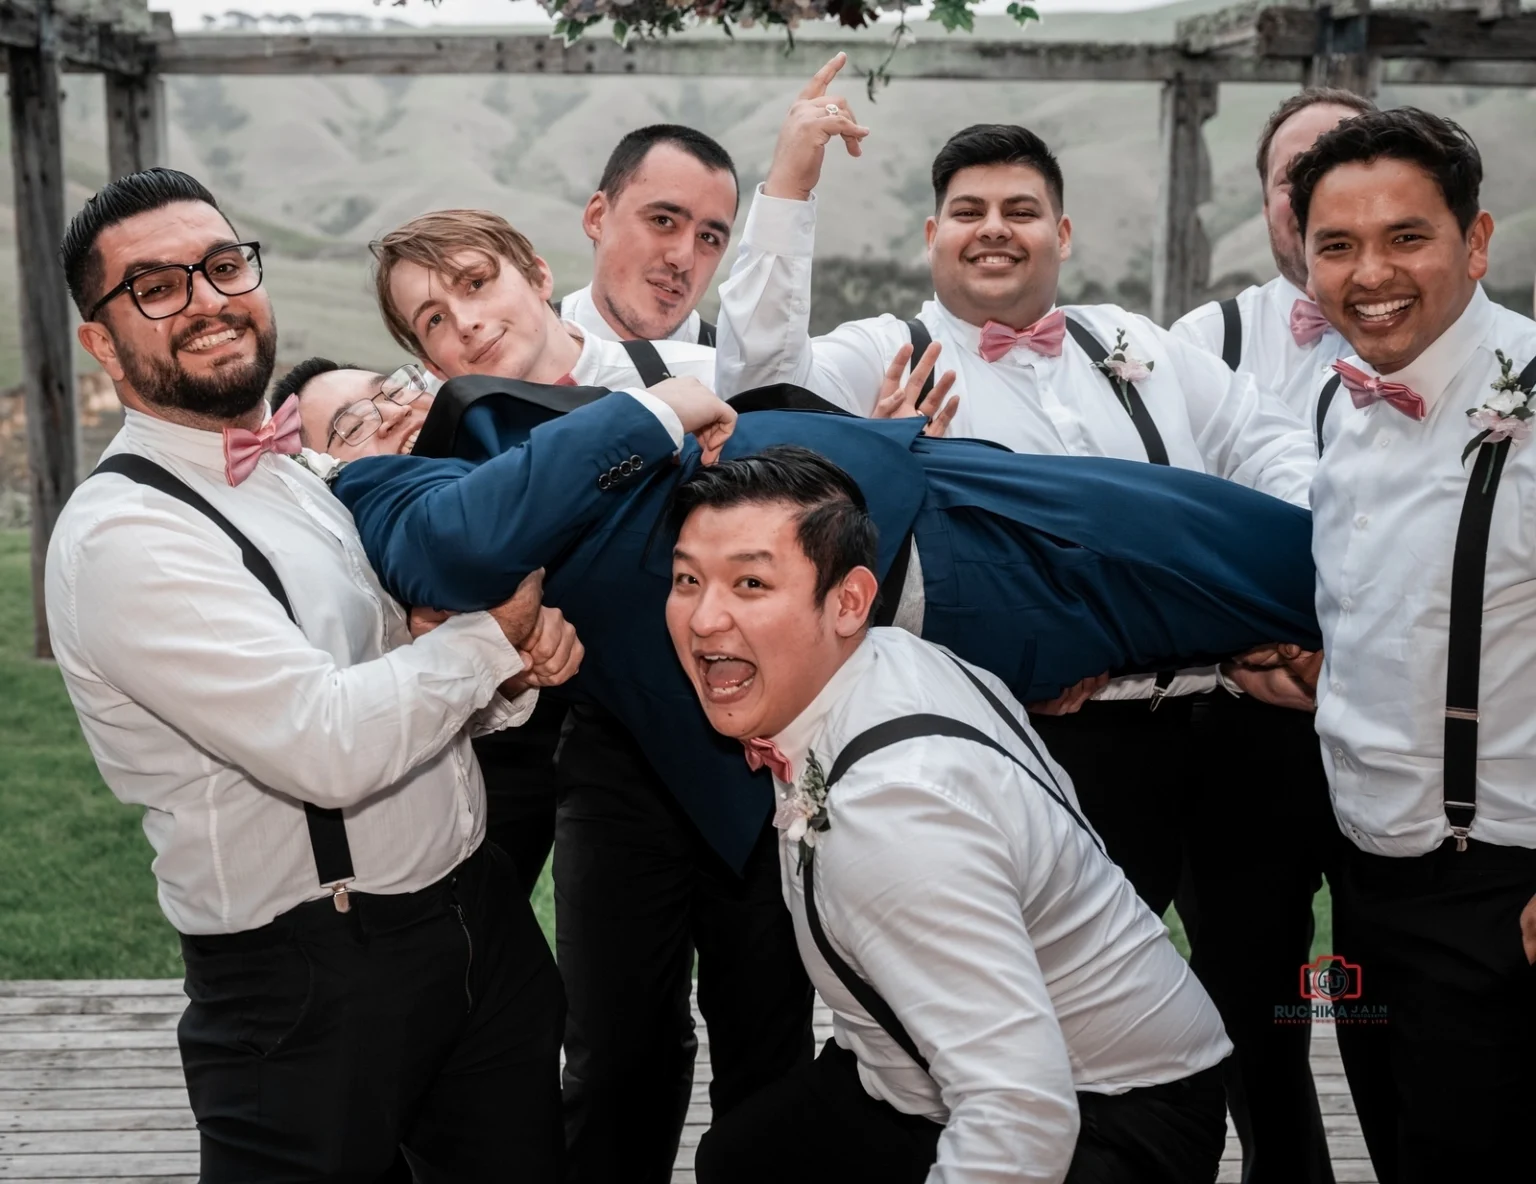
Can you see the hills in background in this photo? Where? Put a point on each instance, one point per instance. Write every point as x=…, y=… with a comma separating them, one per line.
x=317, y=166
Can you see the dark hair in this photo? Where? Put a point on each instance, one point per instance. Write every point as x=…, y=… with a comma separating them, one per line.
x=1438, y=146
x=996, y=143
x=625, y=159
x=1313, y=96
x=117, y=201
x=834, y=527
x=294, y=382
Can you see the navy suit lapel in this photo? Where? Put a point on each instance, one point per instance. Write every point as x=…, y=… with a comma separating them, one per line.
x=519, y=408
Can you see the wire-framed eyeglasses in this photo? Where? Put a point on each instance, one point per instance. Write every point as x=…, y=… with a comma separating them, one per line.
x=357, y=422
x=160, y=292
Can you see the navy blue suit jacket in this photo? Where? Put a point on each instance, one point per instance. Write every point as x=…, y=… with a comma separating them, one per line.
x=1043, y=569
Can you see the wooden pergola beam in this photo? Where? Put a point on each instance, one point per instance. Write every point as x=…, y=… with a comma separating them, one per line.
x=1445, y=35
x=74, y=41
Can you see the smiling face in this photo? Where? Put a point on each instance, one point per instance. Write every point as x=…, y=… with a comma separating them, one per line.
x=1390, y=266
x=328, y=399
x=210, y=361
x=745, y=619
x=997, y=244
x=485, y=318
x=1293, y=137
x=659, y=241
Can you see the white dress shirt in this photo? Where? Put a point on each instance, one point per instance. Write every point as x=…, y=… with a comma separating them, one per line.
x=1269, y=353
x=582, y=309
x=606, y=363
x=1210, y=419
x=202, y=702
x=1017, y=955
x=1387, y=506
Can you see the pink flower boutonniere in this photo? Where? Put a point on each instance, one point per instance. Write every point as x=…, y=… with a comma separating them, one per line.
x=1124, y=369
x=802, y=811
x=1506, y=416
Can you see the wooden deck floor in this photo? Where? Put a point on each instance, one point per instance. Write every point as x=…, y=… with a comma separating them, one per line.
x=91, y=1088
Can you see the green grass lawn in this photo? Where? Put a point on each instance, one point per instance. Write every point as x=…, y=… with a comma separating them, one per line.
x=77, y=897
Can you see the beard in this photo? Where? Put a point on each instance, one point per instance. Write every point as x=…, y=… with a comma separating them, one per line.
x=1290, y=261
x=229, y=392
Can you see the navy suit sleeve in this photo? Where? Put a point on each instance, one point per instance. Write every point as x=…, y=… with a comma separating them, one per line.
x=451, y=535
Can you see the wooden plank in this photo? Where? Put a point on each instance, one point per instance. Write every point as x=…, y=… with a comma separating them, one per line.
x=163, y=1119
x=19, y=1006
x=143, y=1097
x=1445, y=34
x=17, y=1042
x=79, y=39
x=120, y=1022
x=136, y=129
x=47, y=342
x=1181, y=252
x=54, y=1143
x=74, y=988
x=90, y=1077
x=92, y=1059
x=444, y=52
x=111, y=1165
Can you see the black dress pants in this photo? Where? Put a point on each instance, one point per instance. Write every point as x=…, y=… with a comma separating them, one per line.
x=820, y=1126
x=1446, y=1086
x=318, y=1045
x=1262, y=836
x=1133, y=770
x=636, y=893
x=518, y=765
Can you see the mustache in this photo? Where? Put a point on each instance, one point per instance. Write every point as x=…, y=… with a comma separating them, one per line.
x=228, y=320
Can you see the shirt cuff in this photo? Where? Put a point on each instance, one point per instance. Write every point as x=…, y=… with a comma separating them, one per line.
x=501, y=713
x=780, y=226
x=661, y=411
x=497, y=657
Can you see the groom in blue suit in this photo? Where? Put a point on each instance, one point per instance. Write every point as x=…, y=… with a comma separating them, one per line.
x=1043, y=569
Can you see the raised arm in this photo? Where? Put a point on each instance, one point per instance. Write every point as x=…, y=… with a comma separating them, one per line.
x=447, y=534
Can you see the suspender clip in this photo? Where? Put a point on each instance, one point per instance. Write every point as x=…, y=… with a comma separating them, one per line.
x=339, y=896
x=1461, y=837
x=1466, y=713
x=1160, y=689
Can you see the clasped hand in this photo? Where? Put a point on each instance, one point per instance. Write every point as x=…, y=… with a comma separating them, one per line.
x=544, y=639
x=1283, y=675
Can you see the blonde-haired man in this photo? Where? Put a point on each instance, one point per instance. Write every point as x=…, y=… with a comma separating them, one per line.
x=466, y=293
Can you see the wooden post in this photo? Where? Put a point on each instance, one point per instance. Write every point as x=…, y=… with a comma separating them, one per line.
x=1493, y=9
x=1341, y=59
x=135, y=123
x=47, y=337
x=1181, y=253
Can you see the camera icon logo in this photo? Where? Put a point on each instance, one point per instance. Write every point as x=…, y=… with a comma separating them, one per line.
x=1330, y=979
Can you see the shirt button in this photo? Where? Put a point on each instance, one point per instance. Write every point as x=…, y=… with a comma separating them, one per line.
x=1346, y=604
x=1337, y=685
x=1338, y=754
x=1361, y=520
x=1383, y=442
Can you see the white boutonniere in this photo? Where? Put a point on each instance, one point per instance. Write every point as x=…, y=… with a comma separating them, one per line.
x=1124, y=369
x=1506, y=416
x=802, y=812
x=321, y=464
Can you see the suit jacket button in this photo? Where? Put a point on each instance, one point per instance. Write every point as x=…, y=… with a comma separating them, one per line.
x=626, y=470
x=638, y=462
x=604, y=481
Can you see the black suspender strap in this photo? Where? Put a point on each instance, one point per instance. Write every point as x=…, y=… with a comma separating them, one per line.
x=921, y=340
x=1231, y=334
x=1464, y=649
x=327, y=829
x=895, y=731
x=647, y=359
x=706, y=333
x=1140, y=417
x=1325, y=401
x=891, y=587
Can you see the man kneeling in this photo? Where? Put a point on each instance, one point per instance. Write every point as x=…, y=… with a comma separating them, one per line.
x=1004, y=1005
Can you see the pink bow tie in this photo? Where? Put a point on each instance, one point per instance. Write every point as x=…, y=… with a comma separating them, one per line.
x=1044, y=337
x=242, y=449
x=1365, y=389
x=762, y=752
x=1307, y=324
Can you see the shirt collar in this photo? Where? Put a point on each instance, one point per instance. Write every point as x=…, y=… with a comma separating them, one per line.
x=1287, y=293
x=589, y=362
x=805, y=729
x=202, y=447
x=1432, y=372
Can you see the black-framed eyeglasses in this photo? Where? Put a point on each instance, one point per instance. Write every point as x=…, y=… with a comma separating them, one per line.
x=357, y=422
x=161, y=292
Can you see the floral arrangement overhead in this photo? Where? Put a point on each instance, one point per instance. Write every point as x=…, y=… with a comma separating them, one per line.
x=658, y=18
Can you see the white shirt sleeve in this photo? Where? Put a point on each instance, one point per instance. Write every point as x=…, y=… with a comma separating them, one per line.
x=944, y=942
x=1203, y=328
x=764, y=337
x=1244, y=434
x=212, y=653
x=661, y=411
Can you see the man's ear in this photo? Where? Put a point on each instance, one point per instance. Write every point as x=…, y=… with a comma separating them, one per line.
x=546, y=285
x=97, y=342
x=855, y=601
x=1064, y=236
x=592, y=216
x=1478, y=235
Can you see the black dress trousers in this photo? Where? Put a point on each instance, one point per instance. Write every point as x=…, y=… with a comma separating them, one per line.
x=1444, y=1080
x=637, y=892
x=1132, y=766
x=518, y=765
x=820, y=1126
x=318, y=1046
x=1262, y=837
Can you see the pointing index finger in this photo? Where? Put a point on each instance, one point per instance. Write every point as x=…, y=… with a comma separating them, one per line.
x=817, y=87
